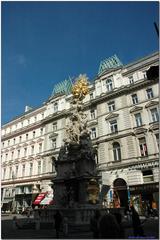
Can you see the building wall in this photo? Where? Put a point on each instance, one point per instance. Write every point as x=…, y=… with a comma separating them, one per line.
x=44, y=129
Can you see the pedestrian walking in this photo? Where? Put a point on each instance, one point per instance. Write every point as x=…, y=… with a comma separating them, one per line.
x=136, y=223
x=94, y=224
x=58, y=222
x=108, y=227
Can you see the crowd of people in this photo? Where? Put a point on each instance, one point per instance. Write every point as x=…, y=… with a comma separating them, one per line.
x=110, y=226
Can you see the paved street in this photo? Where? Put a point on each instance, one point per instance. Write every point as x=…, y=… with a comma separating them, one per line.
x=48, y=232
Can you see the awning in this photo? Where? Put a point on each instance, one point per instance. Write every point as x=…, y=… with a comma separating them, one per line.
x=39, y=198
x=48, y=200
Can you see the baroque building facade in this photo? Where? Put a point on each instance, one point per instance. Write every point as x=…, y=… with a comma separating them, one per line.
x=123, y=118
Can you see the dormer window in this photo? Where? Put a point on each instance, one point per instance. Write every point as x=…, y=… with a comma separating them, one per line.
x=109, y=85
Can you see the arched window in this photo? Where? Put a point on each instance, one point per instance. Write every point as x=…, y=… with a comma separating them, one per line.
x=116, y=151
x=109, y=84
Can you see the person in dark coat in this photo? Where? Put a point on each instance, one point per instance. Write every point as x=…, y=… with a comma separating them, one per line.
x=108, y=227
x=58, y=222
x=119, y=221
x=94, y=224
x=136, y=222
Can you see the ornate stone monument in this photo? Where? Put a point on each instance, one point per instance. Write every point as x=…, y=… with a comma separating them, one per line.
x=75, y=184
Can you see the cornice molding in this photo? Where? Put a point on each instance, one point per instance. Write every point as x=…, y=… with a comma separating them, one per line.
x=151, y=103
x=111, y=115
x=136, y=109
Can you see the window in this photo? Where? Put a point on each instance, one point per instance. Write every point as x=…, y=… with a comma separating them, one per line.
x=54, y=143
x=28, y=121
x=41, y=131
x=8, y=142
x=154, y=114
x=55, y=107
x=134, y=98
x=42, y=115
x=92, y=114
x=3, y=144
x=23, y=170
x=91, y=96
x=21, y=124
x=10, y=172
x=40, y=147
x=116, y=151
x=149, y=93
x=113, y=126
x=25, y=152
x=109, y=85
x=26, y=136
x=4, y=173
x=20, y=138
x=6, y=156
x=32, y=149
x=30, y=169
x=131, y=80
x=111, y=106
x=16, y=172
x=54, y=126
x=143, y=147
x=44, y=166
x=148, y=176
x=138, y=119
x=35, y=118
x=144, y=74
x=93, y=133
x=157, y=139
x=18, y=153
x=14, y=140
x=34, y=134
x=39, y=167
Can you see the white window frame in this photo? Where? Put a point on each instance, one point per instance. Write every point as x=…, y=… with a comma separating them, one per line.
x=30, y=169
x=111, y=106
x=143, y=147
x=117, y=152
x=109, y=84
x=93, y=133
x=131, y=79
x=149, y=92
x=55, y=106
x=138, y=119
x=113, y=126
x=154, y=115
x=134, y=98
x=54, y=143
x=39, y=167
x=54, y=126
x=92, y=114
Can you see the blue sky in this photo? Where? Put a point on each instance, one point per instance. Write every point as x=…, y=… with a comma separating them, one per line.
x=45, y=42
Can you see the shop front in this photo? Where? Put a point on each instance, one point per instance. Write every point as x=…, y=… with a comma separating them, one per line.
x=24, y=200
x=142, y=196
